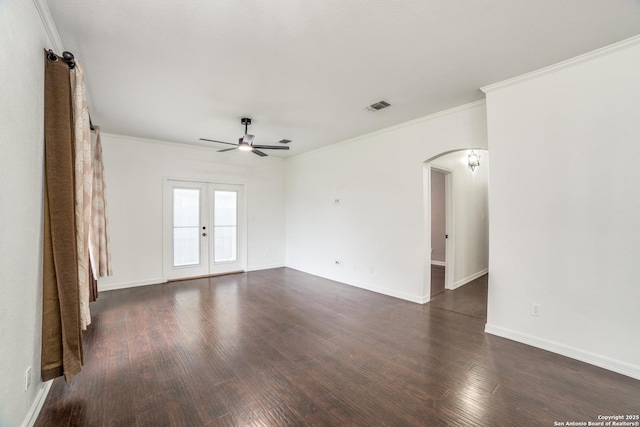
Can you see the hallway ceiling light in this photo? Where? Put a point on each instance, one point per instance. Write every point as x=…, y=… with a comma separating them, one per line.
x=474, y=160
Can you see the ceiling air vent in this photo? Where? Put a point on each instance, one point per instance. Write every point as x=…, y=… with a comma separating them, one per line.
x=378, y=106
x=284, y=141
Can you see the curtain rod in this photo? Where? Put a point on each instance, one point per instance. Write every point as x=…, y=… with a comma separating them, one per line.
x=71, y=62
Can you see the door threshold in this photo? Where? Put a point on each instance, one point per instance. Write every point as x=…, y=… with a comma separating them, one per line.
x=205, y=276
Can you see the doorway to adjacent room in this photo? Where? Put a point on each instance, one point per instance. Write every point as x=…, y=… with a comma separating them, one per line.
x=438, y=229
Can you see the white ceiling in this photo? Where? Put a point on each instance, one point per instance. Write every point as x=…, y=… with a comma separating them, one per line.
x=305, y=70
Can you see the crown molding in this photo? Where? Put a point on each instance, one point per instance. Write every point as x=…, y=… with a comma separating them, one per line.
x=176, y=144
x=194, y=146
x=49, y=25
x=123, y=137
x=589, y=56
x=433, y=116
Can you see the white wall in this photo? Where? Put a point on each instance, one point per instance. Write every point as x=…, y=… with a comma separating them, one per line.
x=377, y=231
x=22, y=39
x=135, y=170
x=565, y=208
x=438, y=216
x=469, y=232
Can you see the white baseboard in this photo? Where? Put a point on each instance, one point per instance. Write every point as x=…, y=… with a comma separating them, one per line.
x=620, y=367
x=265, y=267
x=468, y=279
x=384, y=291
x=156, y=281
x=36, y=406
x=387, y=292
x=124, y=285
x=440, y=263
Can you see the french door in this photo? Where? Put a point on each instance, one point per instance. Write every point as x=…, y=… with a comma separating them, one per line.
x=204, y=229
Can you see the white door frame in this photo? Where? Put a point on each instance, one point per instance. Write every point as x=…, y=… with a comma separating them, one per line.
x=450, y=229
x=168, y=270
x=449, y=242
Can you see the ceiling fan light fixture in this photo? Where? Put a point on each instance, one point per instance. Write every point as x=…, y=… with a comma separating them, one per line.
x=243, y=146
x=245, y=143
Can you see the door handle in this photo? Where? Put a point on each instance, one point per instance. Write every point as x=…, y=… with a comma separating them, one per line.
x=204, y=234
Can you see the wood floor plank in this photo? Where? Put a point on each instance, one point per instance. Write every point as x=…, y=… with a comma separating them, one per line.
x=283, y=348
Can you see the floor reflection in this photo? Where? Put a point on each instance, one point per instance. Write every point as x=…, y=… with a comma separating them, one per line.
x=470, y=299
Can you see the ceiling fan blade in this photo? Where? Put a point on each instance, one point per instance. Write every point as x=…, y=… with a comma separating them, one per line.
x=258, y=152
x=271, y=147
x=227, y=149
x=213, y=140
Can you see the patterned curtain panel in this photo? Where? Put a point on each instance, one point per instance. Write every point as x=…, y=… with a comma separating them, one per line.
x=61, y=326
x=83, y=186
x=99, y=250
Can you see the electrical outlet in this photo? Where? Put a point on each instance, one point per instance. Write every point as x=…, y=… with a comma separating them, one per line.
x=535, y=309
x=27, y=379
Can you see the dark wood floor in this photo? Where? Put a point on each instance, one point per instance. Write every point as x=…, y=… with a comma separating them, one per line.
x=437, y=279
x=470, y=299
x=280, y=347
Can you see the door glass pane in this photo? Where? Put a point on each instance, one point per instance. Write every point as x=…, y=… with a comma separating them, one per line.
x=225, y=226
x=186, y=226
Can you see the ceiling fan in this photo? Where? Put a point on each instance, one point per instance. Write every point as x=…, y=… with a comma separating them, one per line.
x=246, y=142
